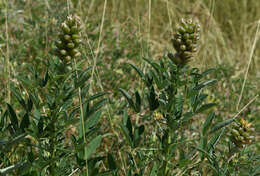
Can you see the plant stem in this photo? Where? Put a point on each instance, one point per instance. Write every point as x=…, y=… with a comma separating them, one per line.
x=81, y=117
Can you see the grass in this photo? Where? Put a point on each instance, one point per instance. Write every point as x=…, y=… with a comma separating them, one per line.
x=116, y=33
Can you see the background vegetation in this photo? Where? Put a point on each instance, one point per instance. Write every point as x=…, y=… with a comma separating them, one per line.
x=118, y=32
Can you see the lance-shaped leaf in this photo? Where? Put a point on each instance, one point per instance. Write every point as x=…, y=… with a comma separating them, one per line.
x=128, y=98
x=137, y=102
x=13, y=117
x=18, y=97
x=92, y=146
x=45, y=79
x=215, y=139
x=205, y=107
x=207, y=123
x=204, y=84
x=138, y=70
x=222, y=124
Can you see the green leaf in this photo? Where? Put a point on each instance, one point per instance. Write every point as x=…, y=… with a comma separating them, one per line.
x=154, y=65
x=137, y=134
x=138, y=102
x=179, y=101
x=93, y=120
x=11, y=168
x=128, y=98
x=222, y=124
x=13, y=141
x=94, y=108
x=45, y=79
x=25, y=81
x=214, y=140
x=208, y=71
x=152, y=99
x=205, y=107
x=207, y=123
x=154, y=170
x=125, y=132
x=140, y=73
x=13, y=117
x=204, y=84
x=203, y=145
x=209, y=157
x=93, y=97
x=111, y=162
x=129, y=126
x=187, y=116
x=29, y=104
x=92, y=146
x=3, y=119
x=18, y=97
x=25, y=122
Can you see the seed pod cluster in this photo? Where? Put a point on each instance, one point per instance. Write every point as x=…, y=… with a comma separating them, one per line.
x=185, y=41
x=69, y=39
x=241, y=133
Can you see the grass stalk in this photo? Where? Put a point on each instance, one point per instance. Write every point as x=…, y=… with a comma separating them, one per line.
x=7, y=56
x=249, y=63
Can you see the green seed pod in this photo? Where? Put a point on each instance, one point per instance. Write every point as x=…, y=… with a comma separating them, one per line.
x=197, y=36
x=63, y=52
x=244, y=134
x=77, y=54
x=187, y=54
x=240, y=129
x=74, y=29
x=186, y=36
x=188, y=42
x=70, y=45
x=251, y=130
x=74, y=51
x=77, y=41
x=183, y=47
x=240, y=138
x=181, y=29
x=67, y=37
x=235, y=132
x=68, y=58
x=75, y=36
x=251, y=137
x=65, y=28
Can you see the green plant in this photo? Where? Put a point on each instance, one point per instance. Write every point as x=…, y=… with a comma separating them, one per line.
x=57, y=119
x=173, y=97
x=54, y=122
